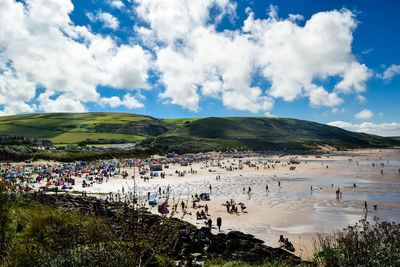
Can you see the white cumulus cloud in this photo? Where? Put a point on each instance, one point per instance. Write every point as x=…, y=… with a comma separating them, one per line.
x=128, y=101
x=390, y=72
x=382, y=129
x=40, y=47
x=116, y=4
x=61, y=103
x=14, y=92
x=196, y=61
x=364, y=114
x=107, y=19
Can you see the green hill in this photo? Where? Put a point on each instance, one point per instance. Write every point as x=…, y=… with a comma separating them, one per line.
x=185, y=135
x=72, y=128
x=262, y=134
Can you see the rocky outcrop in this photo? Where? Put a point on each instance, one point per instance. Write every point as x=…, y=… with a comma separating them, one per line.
x=182, y=242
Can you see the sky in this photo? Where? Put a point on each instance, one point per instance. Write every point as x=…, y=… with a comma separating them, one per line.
x=333, y=62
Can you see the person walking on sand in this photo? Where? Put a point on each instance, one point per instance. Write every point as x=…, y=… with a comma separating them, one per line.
x=206, y=209
x=209, y=222
x=365, y=206
x=266, y=188
x=183, y=205
x=219, y=223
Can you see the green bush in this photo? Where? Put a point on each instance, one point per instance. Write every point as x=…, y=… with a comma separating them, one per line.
x=42, y=235
x=3, y=218
x=363, y=244
x=223, y=263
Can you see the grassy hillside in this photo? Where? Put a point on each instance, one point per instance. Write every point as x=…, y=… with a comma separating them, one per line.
x=180, y=121
x=187, y=134
x=72, y=128
x=262, y=134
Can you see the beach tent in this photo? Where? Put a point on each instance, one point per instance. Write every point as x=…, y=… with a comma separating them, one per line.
x=205, y=196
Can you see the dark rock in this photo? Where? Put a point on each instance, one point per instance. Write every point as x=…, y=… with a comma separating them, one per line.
x=234, y=245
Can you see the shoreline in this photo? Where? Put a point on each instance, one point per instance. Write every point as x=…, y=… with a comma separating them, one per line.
x=291, y=209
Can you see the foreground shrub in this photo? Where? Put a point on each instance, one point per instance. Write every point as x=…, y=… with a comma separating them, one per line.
x=41, y=235
x=3, y=218
x=363, y=244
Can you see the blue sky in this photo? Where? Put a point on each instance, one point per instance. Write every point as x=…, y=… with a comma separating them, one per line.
x=334, y=62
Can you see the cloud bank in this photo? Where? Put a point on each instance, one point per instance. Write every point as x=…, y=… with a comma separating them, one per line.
x=41, y=48
x=383, y=129
x=196, y=61
x=47, y=63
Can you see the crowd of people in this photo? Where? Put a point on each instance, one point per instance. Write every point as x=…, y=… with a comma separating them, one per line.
x=57, y=177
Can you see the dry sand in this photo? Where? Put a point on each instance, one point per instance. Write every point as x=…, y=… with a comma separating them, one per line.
x=293, y=209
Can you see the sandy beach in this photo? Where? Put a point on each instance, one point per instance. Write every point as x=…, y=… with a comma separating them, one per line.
x=292, y=209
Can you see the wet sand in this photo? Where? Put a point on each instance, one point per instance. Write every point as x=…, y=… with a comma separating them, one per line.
x=292, y=209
